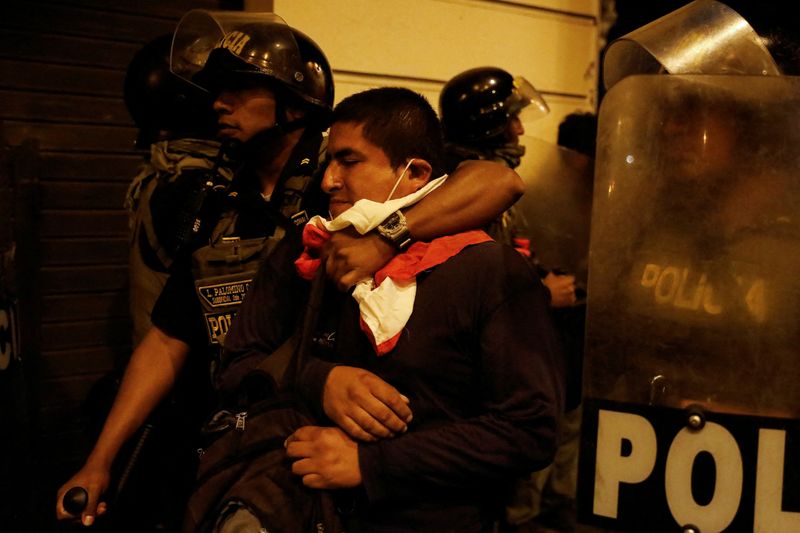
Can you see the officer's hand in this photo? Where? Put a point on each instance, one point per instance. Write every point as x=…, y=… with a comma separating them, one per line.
x=350, y=257
x=95, y=480
x=562, y=289
x=327, y=458
x=364, y=405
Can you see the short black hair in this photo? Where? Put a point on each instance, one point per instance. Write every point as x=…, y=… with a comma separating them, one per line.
x=578, y=131
x=399, y=121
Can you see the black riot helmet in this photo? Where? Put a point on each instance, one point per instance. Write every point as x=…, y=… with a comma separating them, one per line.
x=162, y=104
x=217, y=49
x=475, y=106
x=318, y=83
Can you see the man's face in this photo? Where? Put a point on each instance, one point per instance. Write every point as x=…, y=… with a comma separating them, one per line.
x=358, y=169
x=702, y=144
x=244, y=111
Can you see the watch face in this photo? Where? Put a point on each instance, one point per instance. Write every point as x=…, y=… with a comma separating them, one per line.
x=392, y=223
x=395, y=230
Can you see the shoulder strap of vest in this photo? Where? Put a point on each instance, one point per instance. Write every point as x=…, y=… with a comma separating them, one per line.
x=276, y=363
x=225, y=226
x=298, y=177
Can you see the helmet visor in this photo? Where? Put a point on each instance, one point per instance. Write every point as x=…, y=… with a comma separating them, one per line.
x=698, y=38
x=526, y=102
x=242, y=34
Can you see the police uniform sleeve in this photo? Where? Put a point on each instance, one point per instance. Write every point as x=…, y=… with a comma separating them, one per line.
x=177, y=311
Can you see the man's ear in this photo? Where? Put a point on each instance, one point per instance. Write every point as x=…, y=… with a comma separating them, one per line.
x=419, y=172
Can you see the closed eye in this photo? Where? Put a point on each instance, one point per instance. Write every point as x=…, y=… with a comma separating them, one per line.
x=347, y=157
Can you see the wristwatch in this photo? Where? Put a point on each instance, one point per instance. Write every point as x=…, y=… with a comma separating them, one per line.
x=395, y=230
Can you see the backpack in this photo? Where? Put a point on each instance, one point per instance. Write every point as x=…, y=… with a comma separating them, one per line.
x=245, y=468
x=244, y=475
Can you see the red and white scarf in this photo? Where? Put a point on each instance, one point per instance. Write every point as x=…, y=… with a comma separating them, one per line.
x=386, y=300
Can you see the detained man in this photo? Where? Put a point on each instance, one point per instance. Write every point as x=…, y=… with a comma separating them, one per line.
x=458, y=326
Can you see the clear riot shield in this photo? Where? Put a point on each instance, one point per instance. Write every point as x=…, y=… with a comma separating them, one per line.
x=555, y=210
x=691, y=396
x=200, y=31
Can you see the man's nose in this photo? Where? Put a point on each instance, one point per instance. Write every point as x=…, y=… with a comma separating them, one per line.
x=222, y=103
x=330, y=180
x=516, y=126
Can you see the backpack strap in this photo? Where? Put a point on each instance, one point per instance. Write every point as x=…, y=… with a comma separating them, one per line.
x=284, y=364
x=311, y=315
x=278, y=361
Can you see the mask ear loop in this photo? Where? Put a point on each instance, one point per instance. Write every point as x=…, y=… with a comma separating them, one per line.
x=396, y=183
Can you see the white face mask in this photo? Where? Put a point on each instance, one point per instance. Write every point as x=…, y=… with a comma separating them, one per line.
x=396, y=183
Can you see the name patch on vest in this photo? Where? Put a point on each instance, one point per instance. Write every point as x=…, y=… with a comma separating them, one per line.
x=300, y=219
x=225, y=294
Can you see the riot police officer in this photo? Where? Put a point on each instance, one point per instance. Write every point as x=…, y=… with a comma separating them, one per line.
x=265, y=111
x=482, y=111
x=274, y=108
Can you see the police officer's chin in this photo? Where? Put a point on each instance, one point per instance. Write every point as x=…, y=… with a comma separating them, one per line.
x=258, y=145
x=227, y=131
x=263, y=137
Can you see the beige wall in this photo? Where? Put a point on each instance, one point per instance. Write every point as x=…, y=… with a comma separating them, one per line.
x=422, y=43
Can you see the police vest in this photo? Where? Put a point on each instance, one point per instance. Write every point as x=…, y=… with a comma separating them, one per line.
x=224, y=270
